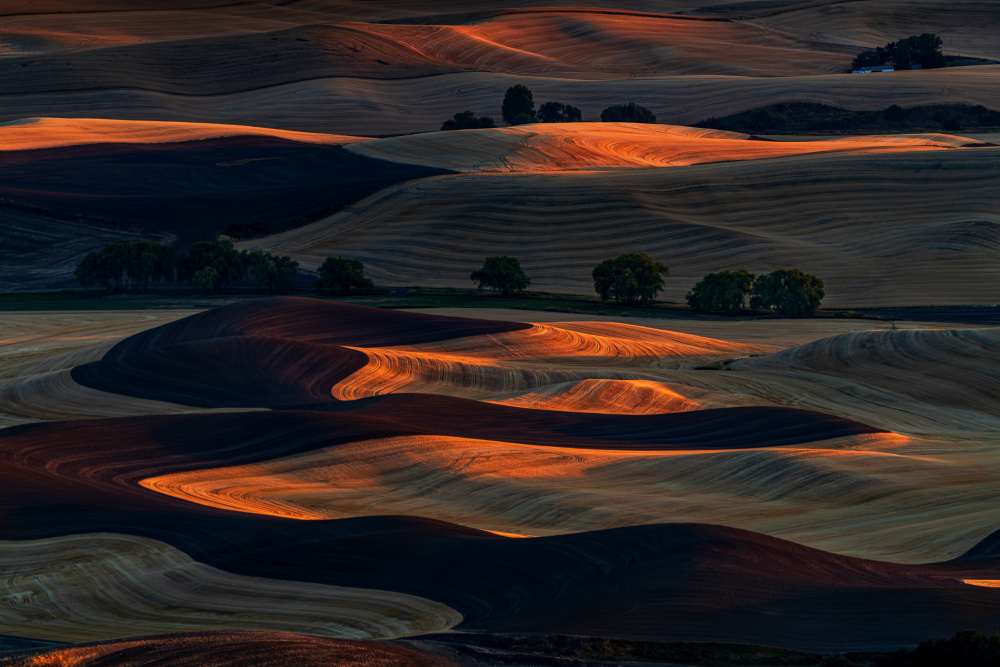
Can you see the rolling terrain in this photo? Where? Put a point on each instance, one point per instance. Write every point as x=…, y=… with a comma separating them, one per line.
x=173, y=121
x=703, y=200
x=881, y=229
x=378, y=488
x=297, y=481
x=211, y=648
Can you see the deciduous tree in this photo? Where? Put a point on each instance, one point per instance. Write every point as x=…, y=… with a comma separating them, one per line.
x=788, y=292
x=338, y=274
x=727, y=291
x=518, y=106
x=503, y=274
x=633, y=279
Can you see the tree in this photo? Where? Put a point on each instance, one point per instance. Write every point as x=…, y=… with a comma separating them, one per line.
x=467, y=120
x=338, y=274
x=518, y=106
x=790, y=293
x=633, y=279
x=230, y=265
x=865, y=59
x=501, y=273
x=274, y=272
x=726, y=291
x=557, y=112
x=627, y=113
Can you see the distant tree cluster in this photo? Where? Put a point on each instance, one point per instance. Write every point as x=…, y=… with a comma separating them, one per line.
x=923, y=50
x=209, y=266
x=635, y=279
x=467, y=120
x=786, y=292
x=557, y=112
x=968, y=648
x=627, y=113
x=128, y=265
x=518, y=108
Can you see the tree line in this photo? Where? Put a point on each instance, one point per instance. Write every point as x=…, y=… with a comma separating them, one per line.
x=209, y=266
x=518, y=108
x=635, y=279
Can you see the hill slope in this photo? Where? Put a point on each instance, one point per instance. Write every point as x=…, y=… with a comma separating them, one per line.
x=881, y=230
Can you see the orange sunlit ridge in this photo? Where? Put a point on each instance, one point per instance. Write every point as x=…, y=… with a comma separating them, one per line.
x=490, y=364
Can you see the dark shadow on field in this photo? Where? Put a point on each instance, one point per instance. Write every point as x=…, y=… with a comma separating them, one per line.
x=194, y=189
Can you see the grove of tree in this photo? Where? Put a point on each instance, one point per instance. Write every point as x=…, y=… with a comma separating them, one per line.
x=627, y=113
x=468, y=120
x=557, y=112
x=923, y=50
x=786, y=292
x=125, y=265
x=209, y=266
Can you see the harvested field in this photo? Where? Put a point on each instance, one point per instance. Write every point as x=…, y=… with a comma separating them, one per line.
x=575, y=455
x=376, y=107
x=297, y=481
x=582, y=44
x=120, y=586
x=586, y=146
x=36, y=133
x=883, y=245
x=192, y=190
x=219, y=648
x=444, y=562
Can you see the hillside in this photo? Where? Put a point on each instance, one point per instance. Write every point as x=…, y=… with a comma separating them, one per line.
x=881, y=229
